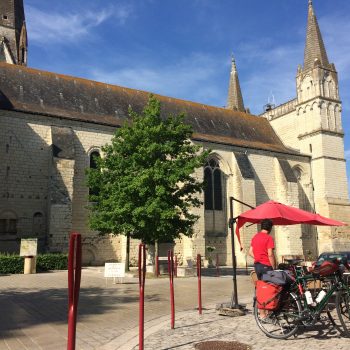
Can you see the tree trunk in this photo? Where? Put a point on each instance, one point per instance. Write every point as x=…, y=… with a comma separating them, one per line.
x=127, y=258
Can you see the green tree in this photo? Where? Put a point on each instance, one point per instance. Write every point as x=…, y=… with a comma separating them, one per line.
x=144, y=185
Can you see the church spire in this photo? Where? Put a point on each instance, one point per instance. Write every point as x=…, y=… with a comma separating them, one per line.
x=13, y=33
x=234, y=98
x=314, y=47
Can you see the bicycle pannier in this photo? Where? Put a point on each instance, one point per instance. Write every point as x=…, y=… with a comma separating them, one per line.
x=279, y=277
x=267, y=295
x=326, y=268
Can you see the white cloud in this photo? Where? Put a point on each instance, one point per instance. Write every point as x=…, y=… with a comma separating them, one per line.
x=189, y=78
x=46, y=27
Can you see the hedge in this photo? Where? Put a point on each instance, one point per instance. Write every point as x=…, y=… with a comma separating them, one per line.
x=44, y=262
x=11, y=263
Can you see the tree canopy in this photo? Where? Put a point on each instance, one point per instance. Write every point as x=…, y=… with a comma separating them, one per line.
x=144, y=183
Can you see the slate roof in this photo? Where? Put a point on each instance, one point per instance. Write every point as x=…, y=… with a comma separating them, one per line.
x=49, y=94
x=314, y=47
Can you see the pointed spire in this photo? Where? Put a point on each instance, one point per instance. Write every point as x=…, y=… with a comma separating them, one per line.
x=234, y=98
x=12, y=20
x=314, y=47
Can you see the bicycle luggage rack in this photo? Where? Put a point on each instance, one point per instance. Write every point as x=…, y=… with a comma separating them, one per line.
x=346, y=277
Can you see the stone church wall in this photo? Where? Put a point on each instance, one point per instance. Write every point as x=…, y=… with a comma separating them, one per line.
x=29, y=170
x=24, y=173
x=36, y=159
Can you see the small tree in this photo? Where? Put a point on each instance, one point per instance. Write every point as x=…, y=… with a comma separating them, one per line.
x=144, y=185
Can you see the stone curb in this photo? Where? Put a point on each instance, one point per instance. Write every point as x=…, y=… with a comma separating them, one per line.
x=130, y=339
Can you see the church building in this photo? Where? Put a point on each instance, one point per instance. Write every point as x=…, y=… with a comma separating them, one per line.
x=52, y=126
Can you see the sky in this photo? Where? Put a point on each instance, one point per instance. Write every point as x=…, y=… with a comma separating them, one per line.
x=183, y=48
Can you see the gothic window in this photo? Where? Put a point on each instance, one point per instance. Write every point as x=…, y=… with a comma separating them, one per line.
x=23, y=51
x=213, y=186
x=208, y=192
x=93, y=165
x=297, y=172
x=93, y=156
x=328, y=118
x=330, y=88
x=306, y=88
x=8, y=223
x=331, y=117
x=337, y=123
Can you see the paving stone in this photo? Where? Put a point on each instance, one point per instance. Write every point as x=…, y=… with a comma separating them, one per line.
x=34, y=315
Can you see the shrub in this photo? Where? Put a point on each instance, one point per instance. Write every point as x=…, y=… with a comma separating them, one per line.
x=46, y=262
x=10, y=263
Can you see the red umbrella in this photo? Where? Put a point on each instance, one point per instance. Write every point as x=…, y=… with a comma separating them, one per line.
x=323, y=221
x=282, y=214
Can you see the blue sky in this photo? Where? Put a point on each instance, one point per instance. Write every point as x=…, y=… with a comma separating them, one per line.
x=182, y=48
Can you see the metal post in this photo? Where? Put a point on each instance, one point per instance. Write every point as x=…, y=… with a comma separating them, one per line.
x=157, y=265
x=175, y=266
x=217, y=265
x=74, y=277
x=232, y=221
x=234, y=298
x=199, y=275
x=142, y=278
x=171, y=279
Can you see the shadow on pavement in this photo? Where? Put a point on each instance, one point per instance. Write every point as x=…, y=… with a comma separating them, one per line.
x=22, y=309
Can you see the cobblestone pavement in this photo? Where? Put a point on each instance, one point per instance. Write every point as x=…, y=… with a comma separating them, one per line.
x=192, y=328
x=34, y=315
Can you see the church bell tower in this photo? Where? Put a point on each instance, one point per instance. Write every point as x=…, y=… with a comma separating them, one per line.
x=13, y=32
x=321, y=134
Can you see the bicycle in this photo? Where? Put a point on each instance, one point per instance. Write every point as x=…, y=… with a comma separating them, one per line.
x=294, y=310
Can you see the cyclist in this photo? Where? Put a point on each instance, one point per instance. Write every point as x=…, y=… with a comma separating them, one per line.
x=262, y=249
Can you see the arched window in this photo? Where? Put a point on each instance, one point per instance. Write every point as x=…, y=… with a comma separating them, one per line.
x=94, y=155
x=208, y=192
x=213, y=186
x=8, y=223
x=297, y=172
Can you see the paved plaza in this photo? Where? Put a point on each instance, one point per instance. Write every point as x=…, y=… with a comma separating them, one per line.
x=34, y=315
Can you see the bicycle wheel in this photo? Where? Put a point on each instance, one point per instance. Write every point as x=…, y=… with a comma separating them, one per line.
x=283, y=322
x=342, y=302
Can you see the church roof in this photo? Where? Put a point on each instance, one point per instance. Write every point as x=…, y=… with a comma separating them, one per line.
x=314, y=47
x=44, y=93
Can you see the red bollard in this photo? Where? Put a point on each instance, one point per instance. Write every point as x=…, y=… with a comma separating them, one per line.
x=157, y=266
x=175, y=266
x=199, y=275
x=217, y=265
x=142, y=278
x=74, y=277
x=171, y=279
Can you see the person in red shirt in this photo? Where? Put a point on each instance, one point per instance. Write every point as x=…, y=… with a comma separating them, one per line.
x=262, y=249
